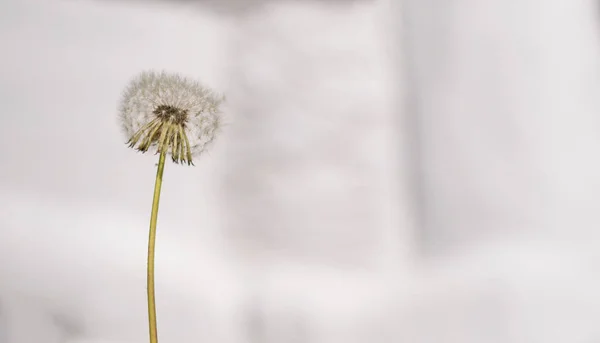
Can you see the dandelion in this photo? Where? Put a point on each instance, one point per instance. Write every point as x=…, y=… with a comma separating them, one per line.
x=170, y=115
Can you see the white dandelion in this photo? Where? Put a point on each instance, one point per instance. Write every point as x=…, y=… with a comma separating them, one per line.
x=171, y=113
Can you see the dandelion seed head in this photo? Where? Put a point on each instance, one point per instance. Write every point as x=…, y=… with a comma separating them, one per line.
x=165, y=111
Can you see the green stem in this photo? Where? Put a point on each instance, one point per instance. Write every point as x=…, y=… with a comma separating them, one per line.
x=151, y=248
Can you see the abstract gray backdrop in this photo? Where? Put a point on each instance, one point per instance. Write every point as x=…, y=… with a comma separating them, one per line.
x=391, y=171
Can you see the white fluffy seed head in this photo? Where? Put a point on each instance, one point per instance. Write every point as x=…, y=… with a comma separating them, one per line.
x=142, y=107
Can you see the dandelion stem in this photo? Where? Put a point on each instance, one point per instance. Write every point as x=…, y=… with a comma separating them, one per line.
x=151, y=248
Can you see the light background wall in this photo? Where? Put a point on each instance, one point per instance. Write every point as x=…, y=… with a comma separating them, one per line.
x=412, y=171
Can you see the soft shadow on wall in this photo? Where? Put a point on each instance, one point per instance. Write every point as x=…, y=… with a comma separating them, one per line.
x=236, y=7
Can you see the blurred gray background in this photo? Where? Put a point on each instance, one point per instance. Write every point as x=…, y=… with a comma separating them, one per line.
x=391, y=171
